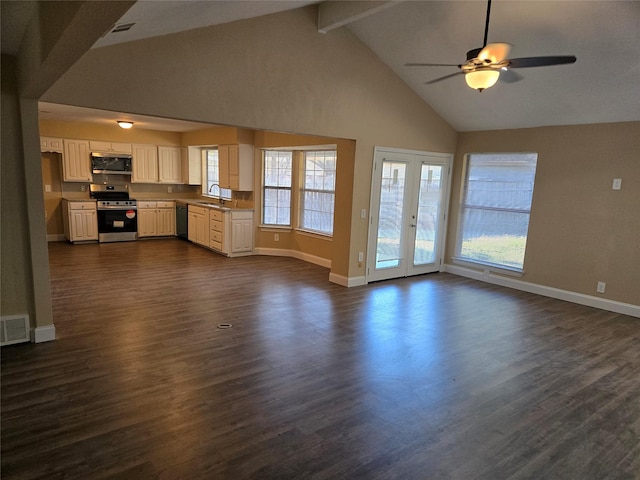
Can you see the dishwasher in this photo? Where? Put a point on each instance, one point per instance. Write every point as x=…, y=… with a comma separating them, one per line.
x=182, y=218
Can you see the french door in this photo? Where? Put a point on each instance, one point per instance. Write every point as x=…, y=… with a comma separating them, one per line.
x=408, y=208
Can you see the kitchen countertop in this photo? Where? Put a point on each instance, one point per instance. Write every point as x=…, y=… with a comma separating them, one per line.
x=197, y=202
x=184, y=201
x=71, y=199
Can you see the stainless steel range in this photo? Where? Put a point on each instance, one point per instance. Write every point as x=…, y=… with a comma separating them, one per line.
x=117, y=213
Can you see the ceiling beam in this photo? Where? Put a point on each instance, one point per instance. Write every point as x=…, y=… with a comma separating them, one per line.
x=58, y=34
x=337, y=13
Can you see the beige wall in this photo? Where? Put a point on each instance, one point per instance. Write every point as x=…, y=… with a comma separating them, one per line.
x=580, y=231
x=55, y=38
x=297, y=81
x=15, y=259
x=333, y=249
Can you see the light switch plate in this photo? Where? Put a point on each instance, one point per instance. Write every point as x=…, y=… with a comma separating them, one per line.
x=617, y=184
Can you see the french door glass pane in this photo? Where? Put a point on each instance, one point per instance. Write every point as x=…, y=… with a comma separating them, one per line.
x=389, y=249
x=427, y=221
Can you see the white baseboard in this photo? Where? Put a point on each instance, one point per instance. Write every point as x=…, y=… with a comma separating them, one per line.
x=55, y=237
x=574, y=297
x=46, y=333
x=281, y=252
x=347, y=281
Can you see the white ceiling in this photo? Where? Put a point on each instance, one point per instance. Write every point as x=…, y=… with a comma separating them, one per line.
x=602, y=86
x=153, y=18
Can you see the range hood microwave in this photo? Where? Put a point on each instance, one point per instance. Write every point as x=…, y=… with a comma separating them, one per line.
x=111, y=163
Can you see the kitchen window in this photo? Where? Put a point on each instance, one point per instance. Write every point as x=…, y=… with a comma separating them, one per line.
x=277, y=182
x=211, y=185
x=495, y=209
x=317, y=193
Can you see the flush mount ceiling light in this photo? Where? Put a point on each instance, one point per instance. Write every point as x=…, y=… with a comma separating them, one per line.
x=124, y=124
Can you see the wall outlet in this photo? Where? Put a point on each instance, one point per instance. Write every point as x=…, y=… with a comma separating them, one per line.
x=169, y=189
x=360, y=256
x=83, y=188
x=47, y=188
x=276, y=237
x=601, y=287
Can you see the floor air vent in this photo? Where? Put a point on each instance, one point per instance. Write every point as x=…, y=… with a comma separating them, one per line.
x=14, y=329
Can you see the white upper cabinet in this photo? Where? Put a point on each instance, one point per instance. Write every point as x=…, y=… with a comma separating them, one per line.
x=76, y=161
x=50, y=144
x=145, y=164
x=110, y=147
x=169, y=165
x=192, y=165
x=236, y=167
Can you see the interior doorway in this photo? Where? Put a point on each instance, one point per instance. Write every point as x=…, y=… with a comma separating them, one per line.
x=409, y=200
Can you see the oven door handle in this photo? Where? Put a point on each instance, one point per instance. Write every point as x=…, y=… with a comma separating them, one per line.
x=119, y=207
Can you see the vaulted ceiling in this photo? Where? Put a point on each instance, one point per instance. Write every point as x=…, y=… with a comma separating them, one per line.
x=602, y=86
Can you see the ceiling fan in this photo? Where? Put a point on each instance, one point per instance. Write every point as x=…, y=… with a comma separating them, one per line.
x=485, y=65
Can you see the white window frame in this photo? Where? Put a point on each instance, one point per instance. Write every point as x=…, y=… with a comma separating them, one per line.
x=465, y=206
x=304, y=189
x=278, y=188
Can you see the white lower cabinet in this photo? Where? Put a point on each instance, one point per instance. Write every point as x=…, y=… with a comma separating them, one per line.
x=198, y=225
x=146, y=219
x=241, y=231
x=217, y=230
x=80, y=221
x=229, y=232
x=156, y=218
x=166, y=218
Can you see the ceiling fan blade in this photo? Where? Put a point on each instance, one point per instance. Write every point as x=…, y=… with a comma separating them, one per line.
x=431, y=65
x=509, y=76
x=494, y=52
x=541, y=61
x=436, y=80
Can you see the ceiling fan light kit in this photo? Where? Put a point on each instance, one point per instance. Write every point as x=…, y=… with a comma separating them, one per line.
x=482, y=79
x=483, y=66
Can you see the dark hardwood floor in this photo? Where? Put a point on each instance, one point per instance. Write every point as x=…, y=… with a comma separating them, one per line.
x=432, y=377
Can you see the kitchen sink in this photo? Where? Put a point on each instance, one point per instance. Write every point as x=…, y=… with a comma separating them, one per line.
x=214, y=205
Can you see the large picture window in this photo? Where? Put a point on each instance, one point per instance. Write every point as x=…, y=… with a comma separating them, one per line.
x=276, y=181
x=318, y=191
x=494, y=216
